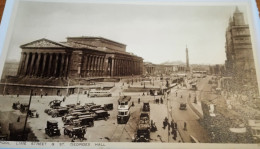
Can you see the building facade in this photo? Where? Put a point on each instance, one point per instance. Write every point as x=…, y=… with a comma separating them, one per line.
x=79, y=57
x=240, y=63
x=59, y=68
x=217, y=70
x=158, y=69
x=10, y=69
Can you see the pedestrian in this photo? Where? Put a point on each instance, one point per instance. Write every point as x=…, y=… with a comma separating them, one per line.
x=143, y=94
x=176, y=94
x=166, y=119
x=172, y=125
x=73, y=138
x=195, y=100
x=164, y=124
x=174, y=134
x=64, y=98
x=181, y=96
x=189, y=95
x=41, y=95
x=175, y=126
x=139, y=100
x=185, y=126
x=17, y=95
x=18, y=119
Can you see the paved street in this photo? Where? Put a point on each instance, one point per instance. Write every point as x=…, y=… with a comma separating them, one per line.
x=109, y=131
x=103, y=131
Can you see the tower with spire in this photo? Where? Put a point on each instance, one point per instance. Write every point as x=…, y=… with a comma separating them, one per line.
x=187, y=60
x=239, y=62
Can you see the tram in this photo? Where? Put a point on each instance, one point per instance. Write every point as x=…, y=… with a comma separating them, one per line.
x=123, y=109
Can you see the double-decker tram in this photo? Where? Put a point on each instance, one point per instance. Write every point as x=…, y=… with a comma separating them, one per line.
x=123, y=109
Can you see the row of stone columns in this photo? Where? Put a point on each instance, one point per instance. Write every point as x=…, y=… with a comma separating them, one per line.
x=150, y=70
x=93, y=65
x=56, y=65
x=124, y=67
x=181, y=68
x=100, y=65
x=44, y=64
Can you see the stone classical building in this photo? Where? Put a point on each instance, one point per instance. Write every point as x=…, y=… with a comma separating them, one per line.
x=158, y=69
x=78, y=57
x=240, y=63
x=59, y=67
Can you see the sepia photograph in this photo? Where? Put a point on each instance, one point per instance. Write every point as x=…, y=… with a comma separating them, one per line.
x=133, y=72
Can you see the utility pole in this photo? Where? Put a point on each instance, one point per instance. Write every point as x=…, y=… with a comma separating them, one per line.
x=27, y=113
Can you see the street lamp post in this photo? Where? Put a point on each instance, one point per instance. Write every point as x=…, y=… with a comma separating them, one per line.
x=27, y=114
x=78, y=84
x=68, y=86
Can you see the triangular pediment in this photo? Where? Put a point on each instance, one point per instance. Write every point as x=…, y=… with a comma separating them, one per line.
x=43, y=43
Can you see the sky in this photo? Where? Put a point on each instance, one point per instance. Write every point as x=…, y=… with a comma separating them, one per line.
x=158, y=33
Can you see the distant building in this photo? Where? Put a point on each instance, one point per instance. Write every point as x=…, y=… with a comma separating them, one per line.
x=218, y=70
x=149, y=68
x=240, y=61
x=158, y=69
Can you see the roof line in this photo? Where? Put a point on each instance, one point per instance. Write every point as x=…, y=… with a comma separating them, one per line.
x=54, y=42
x=102, y=38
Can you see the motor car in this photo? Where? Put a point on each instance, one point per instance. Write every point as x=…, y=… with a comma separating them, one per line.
x=142, y=135
x=92, y=107
x=108, y=106
x=96, y=109
x=16, y=105
x=58, y=112
x=88, y=113
x=86, y=121
x=52, y=128
x=146, y=106
x=3, y=137
x=33, y=113
x=55, y=103
x=75, y=131
x=101, y=114
x=183, y=106
x=77, y=110
x=69, y=106
x=69, y=119
x=79, y=107
x=24, y=107
x=89, y=104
